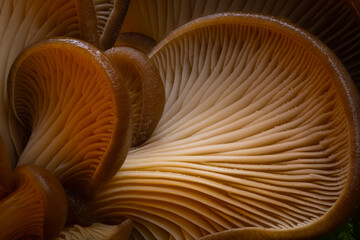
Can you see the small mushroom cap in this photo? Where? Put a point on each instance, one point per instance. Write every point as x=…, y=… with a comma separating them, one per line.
x=71, y=98
x=260, y=137
x=36, y=208
x=145, y=89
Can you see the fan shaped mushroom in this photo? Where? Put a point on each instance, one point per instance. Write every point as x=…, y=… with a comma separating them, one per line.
x=334, y=22
x=145, y=89
x=97, y=231
x=36, y=209
x=23, y=23
x=259, y=137
x=71, y=99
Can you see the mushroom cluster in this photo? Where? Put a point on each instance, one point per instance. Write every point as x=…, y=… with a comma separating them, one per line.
x=186, y=119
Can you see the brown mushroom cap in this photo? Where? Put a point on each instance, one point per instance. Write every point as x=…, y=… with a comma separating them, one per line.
x=259, y=138
x=145, y=89
x=23, y=23
x=71, y=98
x=135, y=40
x=37, y=208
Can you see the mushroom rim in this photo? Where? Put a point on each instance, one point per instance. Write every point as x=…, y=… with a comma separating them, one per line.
x=350, y=195
x=115, y=83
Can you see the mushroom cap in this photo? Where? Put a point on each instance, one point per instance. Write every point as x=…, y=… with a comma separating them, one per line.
x=71, y=99
x=135, y=40
x=158, y=18
x=23, y=23
x=97, y=231
x=259, y=138
x=36, y=208
x=145, y=89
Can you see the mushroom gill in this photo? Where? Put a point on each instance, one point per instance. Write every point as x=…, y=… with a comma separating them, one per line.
x=23, y=23
x=145, y=90
x=259, y=137
x=36, y=209
x=335, y=22
x=97, y=231
x=72, y=101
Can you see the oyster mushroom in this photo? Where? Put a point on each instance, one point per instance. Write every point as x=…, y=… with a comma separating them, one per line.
x=37, y=208
x=145, y=89
x=334, y=22
x=259, y=138
x=71, y=100
x=24, y=23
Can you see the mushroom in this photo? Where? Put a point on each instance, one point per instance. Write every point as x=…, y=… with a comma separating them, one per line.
x=71, y=100
x=97, y=231
x=24, y=23
x=259, y=138
x=135, y=40
x=36, y=209
x=145, y=89
x=334, y=22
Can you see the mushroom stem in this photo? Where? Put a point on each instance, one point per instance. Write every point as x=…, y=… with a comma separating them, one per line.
x=113, y=24
x=87, y=22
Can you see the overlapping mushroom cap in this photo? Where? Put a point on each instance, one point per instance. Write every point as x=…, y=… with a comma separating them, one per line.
x=75, y=106
x=259, y=137
x=334, y=22
x=24, y=23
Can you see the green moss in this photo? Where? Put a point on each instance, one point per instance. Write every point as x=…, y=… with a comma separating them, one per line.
x=350, y=230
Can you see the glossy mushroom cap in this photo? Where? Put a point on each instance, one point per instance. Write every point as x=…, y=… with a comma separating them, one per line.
x=36, y=209
x=71, y=99
x=145, y=89
x=259, y=138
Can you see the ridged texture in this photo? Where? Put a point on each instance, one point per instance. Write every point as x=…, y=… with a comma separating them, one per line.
x=109, y=15
x=70, y=98
x=333, y=21
x=145, y=88
x=103, y=10
x=254, y=134
x=27, y=198
x=96, y=231
x=23, y=23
